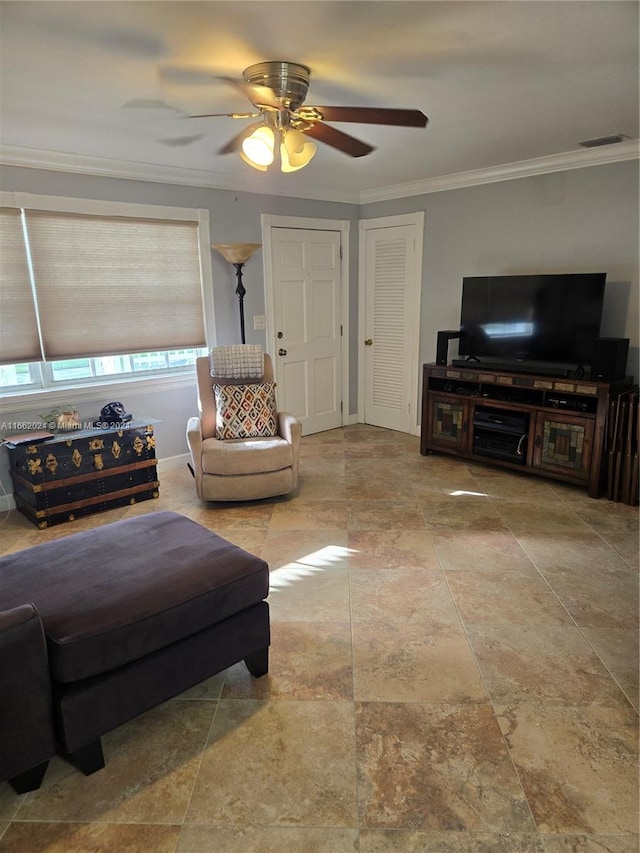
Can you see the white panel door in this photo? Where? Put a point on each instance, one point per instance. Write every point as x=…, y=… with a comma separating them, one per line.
x=306, y=279
x=391, y=324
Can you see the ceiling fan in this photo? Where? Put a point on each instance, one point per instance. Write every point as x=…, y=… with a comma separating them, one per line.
x=277, y=89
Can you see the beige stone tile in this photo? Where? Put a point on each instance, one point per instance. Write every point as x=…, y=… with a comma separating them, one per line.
x=321, y=487
x=282, y=764
x=317, y=549
x=596, y=586
x=480, y=550
x=573, y=549
x=307, y=660
x=391, y=549
x=501, y=486
x=16, y=532
x=554, y=665
x=408, y=841
x=498, y=597
x=590, y=843
x=266, y=839
x=578, y=766
x=302, y=592
x=384, y=515
x=526, y=517
x=378, y=488
x=310, y=515
x=221, y=517
x=371, y=450
x=436, y=767
x=460, y=513
x=617, y=648
x=402, y=595
x=414, y=662
x=432, y=485
x=151, y=765
x=617, y=523
x=209, y=689
x=10, y=802
x=96, y=837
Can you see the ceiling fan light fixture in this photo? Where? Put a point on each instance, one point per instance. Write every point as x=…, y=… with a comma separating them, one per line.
x=259, y=147
x=295, y=151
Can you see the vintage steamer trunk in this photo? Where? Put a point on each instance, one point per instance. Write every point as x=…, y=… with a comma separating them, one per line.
x=82, y=472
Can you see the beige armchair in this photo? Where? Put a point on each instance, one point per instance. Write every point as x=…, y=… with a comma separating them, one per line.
x=240, y=469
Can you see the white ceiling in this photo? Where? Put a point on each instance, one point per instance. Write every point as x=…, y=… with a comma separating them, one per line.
x=501, y=82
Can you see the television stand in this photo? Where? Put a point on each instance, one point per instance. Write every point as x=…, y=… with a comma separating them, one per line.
x=547, y=426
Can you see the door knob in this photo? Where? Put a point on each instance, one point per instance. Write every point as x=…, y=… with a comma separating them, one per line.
x=282, y=351
x=368, y=342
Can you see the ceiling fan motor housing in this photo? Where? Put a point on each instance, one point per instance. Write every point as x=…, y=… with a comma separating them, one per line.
x=288, y=80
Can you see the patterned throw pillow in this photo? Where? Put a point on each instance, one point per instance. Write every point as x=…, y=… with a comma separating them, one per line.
x=245, y=411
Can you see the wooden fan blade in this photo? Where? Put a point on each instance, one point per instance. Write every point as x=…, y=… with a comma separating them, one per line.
x=373, y=115
x=337, y=139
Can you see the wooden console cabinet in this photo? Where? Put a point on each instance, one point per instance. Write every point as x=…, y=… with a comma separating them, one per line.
x=82, y=472
x=553, y=427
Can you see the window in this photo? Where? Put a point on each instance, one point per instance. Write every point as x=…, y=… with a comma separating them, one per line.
x=90, y=291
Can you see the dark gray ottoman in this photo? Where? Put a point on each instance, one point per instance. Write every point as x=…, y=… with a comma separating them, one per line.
x=134, y=613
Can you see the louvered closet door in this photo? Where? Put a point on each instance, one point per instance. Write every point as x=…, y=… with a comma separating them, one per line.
x=390, y=346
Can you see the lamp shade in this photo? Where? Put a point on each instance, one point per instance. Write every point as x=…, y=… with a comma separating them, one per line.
x=259, y=147
x=295, y=151
x=236, y=253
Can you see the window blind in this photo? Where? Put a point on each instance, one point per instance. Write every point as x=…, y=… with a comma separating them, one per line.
x=115, y=285
x=19, y=339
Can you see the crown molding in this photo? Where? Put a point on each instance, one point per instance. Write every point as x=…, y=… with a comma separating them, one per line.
x=102, y=167
x=58, y=161
x=509, y=171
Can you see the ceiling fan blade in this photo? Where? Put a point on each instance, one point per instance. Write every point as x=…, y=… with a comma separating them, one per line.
x=261, y=96
x=373, y=115
x=149, y=104
x=337, y=139
x=179, y=141
x=185, y=76
x=227, y=115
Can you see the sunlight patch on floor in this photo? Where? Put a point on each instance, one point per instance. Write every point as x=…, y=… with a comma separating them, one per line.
x=317, y=561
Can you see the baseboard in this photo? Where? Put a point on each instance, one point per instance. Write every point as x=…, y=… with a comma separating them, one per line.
x=6, y=503
x=173, y=463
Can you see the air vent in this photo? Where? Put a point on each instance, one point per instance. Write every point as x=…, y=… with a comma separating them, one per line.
x=603, y=140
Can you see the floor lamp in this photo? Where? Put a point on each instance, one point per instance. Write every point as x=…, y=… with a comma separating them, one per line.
x=238, y=254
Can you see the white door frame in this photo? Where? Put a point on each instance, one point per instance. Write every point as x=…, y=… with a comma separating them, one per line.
x=268, y=222
x=413, y=332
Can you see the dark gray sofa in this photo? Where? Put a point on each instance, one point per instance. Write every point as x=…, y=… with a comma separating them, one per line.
x=113, y=621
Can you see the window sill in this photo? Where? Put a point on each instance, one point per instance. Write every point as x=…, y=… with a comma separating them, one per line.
x=110, y=389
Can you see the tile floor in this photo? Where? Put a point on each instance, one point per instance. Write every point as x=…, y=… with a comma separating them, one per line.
x=454, y=668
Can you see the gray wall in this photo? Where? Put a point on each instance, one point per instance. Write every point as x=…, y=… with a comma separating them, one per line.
x=583, y=220
x=580, y=220
x=235, y=217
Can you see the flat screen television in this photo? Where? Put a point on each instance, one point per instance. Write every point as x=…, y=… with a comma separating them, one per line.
x=531, y=318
